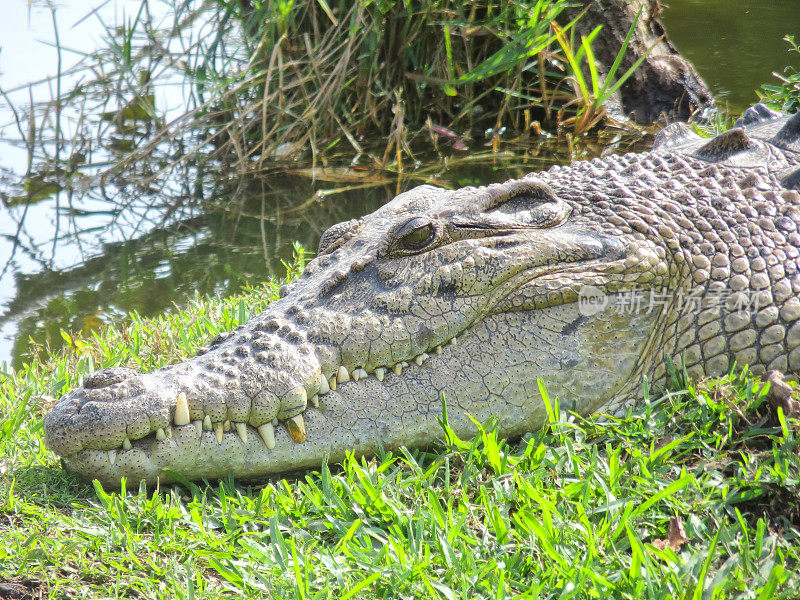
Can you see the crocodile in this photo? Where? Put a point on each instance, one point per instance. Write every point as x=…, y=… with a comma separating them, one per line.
x=589, y=278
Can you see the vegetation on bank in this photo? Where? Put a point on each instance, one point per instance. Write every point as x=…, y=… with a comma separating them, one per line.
x=693, y=495
x=267, y=82
x=270, y=81
x=785, y=95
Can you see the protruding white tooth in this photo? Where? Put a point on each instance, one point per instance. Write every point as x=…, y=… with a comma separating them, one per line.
x=332, y=382
x=421, y=358
x=267, y=433
x=380, y=373
x=438, y=349
x=160, y=435
x=207, y=424
x=241, y=429
x=182, y=411
x=404, y=364
x=359, y=374
x=169, y=431
x=314, y=401
x=112, y=456
x=453, y=341
x=398, y=369
x=226, y=425
x=126, y=443
x=198, y=425
x=218, y=431
x=324, y=388
x=342, y=374
x=296, y=427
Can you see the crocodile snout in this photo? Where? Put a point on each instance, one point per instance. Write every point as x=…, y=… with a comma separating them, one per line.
x=243, y=390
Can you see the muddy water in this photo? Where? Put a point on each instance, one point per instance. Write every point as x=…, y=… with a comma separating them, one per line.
x=735, y=44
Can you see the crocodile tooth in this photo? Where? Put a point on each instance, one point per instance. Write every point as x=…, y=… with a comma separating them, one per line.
x=380, y=373
x=438, y=349
x=198, y=425
x=296, y=427
x=126, y=443
x=421, y=358
x=226, y=425
x=314, y=401
x=324, y=388
x=207, y=425
x=182, y=411
x=169, y=431
x=160, y=435
x=453, y=341
x=398, y=369
x=218, y=431
x=112, y=456
x=332, y=382
x=359, y=374
x=343, y=374
x=241, y=429
x=267, y=433
x=404, y=364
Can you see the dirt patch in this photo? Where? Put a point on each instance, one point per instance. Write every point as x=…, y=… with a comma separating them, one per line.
x=21, y=590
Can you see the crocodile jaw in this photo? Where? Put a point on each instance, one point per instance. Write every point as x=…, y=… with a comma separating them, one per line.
x=405, y=409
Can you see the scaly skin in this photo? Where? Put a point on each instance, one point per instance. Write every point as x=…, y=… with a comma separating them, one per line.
x=475, y=294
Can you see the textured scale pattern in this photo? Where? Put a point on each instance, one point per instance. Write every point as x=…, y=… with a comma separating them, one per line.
x=726, y=228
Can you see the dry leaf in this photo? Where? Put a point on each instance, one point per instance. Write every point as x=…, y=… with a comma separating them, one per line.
x=780, y=394
x=675, y=538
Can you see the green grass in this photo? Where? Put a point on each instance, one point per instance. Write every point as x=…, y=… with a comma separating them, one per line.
x=784, y=95
x=569, y=512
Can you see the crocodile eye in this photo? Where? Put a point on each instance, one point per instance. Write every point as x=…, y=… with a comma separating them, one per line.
x=415, y=235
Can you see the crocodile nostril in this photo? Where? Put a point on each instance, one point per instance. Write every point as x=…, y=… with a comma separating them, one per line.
x=107, y=377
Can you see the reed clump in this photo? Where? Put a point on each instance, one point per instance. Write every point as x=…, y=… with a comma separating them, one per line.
x=282, y=80
x=321, y=74
x=271, y=81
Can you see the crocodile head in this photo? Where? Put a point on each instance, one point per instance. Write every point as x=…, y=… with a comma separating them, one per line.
x=470, y=294
x=474, y=295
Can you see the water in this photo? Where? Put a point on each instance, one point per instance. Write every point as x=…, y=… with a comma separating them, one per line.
x=734, y=44
x=38, y=245
x=104, y=266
